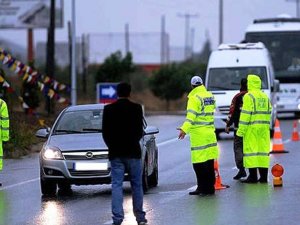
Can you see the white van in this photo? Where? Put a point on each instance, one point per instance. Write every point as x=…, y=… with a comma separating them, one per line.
x=228, y=65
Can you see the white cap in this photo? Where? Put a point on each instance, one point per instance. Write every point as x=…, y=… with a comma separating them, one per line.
x=196, y=80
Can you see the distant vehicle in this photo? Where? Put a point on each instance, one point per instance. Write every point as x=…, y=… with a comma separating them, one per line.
x=227, y=66
x=281, y=36
x=75, y=152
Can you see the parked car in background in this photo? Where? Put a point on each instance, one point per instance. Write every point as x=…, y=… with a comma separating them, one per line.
x=75, y=152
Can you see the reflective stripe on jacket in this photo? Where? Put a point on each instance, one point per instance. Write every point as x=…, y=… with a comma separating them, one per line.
x=254, y=125
x=199, y=124
x=4, y=128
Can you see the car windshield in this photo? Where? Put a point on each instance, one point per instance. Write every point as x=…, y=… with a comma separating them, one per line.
x=230, y=78
x=83, y=121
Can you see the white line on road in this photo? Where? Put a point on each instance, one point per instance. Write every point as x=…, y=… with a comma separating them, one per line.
x=167, y=142
x=18, y=184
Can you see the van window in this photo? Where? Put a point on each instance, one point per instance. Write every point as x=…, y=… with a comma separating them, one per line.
x=230, y=78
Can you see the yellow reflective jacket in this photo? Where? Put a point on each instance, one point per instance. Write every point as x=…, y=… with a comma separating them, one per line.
x=199, y=124
x=4, y=129
x=254, y=125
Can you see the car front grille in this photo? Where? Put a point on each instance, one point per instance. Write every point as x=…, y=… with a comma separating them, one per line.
x=89, y=173
x=224, y=110
x=83, y=155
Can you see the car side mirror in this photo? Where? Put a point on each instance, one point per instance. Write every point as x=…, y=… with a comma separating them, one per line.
x=43, y=133
x=151, y=130
x=276, y=85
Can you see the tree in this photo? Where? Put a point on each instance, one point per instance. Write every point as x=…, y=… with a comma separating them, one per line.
x=168, y=83
x=115, y=68
x=172, y=81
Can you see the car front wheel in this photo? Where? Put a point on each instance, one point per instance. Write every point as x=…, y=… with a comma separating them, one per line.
x=145, y=177
x=48, y=188
x=153, y=178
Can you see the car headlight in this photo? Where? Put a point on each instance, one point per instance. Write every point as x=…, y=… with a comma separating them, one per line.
x=52, y=153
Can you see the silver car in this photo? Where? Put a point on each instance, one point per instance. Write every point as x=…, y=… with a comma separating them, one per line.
x=75, y=152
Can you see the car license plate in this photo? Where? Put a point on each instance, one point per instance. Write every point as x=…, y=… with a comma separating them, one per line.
x=81, y=166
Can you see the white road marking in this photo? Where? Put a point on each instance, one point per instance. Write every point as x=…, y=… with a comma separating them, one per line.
x=286, y=141
x=167, y=142
x=19, y=184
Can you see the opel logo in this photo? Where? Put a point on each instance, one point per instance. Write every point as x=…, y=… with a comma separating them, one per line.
x=89, y=155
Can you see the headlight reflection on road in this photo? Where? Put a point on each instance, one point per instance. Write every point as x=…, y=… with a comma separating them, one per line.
x=52, y=213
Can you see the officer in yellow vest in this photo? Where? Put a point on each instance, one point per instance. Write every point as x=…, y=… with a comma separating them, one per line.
x=254, y=127
x=4, y=129
x=199, y=124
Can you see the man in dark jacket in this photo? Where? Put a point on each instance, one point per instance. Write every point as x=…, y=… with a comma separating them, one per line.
x=122, y=130
x=233, y=118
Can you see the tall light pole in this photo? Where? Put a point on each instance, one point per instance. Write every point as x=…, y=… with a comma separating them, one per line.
x=220, y=21
x=73, y=53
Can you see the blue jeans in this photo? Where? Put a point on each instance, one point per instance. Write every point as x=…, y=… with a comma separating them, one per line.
x=134, y=169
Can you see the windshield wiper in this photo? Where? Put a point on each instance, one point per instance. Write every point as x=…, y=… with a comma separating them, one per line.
x=68, y=131
x=92, y=129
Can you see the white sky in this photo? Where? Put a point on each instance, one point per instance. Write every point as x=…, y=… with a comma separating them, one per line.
x=101, y=16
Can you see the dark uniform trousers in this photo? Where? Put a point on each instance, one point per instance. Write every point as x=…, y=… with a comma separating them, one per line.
x=206, y=178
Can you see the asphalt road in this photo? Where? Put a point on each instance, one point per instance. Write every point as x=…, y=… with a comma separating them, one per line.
x=169, y=203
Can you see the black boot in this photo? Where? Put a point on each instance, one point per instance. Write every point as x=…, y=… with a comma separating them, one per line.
x=240, y=174
x=196, y=192
x=263, y=172
x=252, y=178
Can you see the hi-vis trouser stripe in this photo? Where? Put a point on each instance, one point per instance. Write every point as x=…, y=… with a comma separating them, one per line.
x=255, y=122
x=3, y=118
x=203, y=147
x=257, y=154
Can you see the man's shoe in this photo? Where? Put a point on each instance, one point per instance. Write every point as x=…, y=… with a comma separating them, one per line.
x=142, y=223
x=240, y=174
x=206, y=194
x=249, y=181
x=196, y=192
x=263, y=181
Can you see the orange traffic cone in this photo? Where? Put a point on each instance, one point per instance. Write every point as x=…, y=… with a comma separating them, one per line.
x=218, y=183
x=295, y=135
x=277, y=140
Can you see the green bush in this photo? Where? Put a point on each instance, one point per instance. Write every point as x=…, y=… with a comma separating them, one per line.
x=22, y=135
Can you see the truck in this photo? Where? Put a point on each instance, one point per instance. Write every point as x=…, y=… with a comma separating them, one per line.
x=281, y=37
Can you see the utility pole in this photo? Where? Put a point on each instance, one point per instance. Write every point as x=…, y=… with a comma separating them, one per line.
x=192, y=42
x=163, y=41
x=187, y=18
x=84, y=62
x=220, y=21
x=73, y=62
x=127, y=43
x=297, y=6
x=50, y=62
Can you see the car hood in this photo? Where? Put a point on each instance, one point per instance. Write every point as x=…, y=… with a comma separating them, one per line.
x=78, y=142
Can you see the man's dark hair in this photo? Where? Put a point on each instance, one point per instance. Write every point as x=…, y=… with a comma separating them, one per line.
x=123, y=89
x=243, y=84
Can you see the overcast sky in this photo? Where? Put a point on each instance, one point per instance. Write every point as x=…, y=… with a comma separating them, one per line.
x=101, y=16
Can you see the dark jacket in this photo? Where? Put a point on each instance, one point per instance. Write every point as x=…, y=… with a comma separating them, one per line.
x=122, y=129
x=235, y=109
